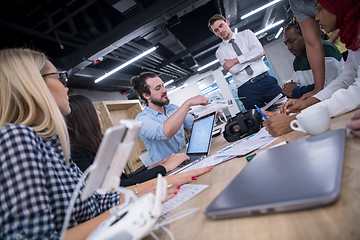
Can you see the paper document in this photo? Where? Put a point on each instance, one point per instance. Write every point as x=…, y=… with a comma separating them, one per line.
x=186, y=192
x=261, y=139
x=239, y=148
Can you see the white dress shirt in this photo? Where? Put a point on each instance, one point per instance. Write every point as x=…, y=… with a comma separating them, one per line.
x=252, y=52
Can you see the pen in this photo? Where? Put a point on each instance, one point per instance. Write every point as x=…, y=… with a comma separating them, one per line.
x=257, y=108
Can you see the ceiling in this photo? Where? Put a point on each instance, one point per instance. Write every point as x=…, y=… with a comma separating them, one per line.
x=91, y=37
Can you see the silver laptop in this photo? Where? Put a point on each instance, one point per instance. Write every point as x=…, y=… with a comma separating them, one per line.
x=302, y=174
x=199, y=143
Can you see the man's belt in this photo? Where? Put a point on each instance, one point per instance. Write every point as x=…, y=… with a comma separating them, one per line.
x=257, y=78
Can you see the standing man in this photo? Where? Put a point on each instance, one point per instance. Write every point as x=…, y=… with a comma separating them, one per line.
x=163, y=125
x=241, y=55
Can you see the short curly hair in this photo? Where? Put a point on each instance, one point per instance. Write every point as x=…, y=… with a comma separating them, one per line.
x=139, y=84
x=294, y=24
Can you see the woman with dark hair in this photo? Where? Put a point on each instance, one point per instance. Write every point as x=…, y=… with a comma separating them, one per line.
x=342, y=94
x=84, y=131
x=84, y=126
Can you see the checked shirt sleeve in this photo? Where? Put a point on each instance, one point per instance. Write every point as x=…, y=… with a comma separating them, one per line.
x=36, y=187
x=25, y=211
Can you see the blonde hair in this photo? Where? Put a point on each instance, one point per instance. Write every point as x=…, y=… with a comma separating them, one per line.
x=25, y=98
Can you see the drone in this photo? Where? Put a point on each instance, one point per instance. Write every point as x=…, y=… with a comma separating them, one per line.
x=213, y=106
x=136, y=217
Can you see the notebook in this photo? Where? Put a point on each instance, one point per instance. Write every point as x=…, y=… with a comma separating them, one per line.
x=299, y=175
x=199, y=143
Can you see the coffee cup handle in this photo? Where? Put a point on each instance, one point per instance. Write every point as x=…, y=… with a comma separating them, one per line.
x=298, y=128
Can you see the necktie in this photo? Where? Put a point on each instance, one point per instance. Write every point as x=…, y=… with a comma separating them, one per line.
x=248, y=69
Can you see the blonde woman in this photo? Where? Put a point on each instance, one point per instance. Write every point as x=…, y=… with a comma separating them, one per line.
x=36, y=175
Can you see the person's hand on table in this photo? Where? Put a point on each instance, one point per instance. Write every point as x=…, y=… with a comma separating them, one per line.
x=310, y=94
x=174, y=160
x=288, y=88
x=171, y=162
x=296, y=105
x=161, y=162
x=277, y=124
x=186, y=177
x=172, y=190
x=354, y=125
x=292, y=105
x=174, y=182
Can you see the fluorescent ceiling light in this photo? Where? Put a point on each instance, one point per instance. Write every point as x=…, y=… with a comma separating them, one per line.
x=175, y=89
x=269, y=27
x=207, y=65
x=259, y=9
x=125, y=64
x=168, y=82
x=227, y=75
x=279, y=32
x=210, y=89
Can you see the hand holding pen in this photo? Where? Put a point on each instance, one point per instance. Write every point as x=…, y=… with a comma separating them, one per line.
x=277, y=124
x=259, y=110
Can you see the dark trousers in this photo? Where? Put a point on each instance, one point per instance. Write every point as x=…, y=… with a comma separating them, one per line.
x=259, y=93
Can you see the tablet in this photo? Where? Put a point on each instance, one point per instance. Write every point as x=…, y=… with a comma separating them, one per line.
x=111, y=157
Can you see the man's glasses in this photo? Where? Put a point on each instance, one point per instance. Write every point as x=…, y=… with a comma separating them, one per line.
x=62, y=76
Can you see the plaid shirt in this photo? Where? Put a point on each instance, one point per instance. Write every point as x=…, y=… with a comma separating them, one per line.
x=37, y=185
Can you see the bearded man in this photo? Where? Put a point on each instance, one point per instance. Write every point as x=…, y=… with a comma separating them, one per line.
x=162, y=130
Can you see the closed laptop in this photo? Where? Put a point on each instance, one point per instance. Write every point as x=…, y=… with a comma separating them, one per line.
x=299, y=175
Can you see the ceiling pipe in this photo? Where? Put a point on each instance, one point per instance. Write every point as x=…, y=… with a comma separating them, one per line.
x=34, y=32
x=124, y=32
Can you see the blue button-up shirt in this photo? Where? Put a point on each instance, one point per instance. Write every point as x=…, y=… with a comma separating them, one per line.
x=152, y=132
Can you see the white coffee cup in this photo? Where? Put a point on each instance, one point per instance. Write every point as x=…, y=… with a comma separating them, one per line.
x=312, y=120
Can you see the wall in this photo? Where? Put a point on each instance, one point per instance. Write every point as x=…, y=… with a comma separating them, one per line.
x=97, y=96
x=280, y=59
x=180, y=96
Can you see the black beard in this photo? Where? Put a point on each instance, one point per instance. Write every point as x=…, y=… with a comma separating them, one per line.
x=161, y=103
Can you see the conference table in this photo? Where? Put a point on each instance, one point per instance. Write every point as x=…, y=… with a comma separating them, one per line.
x=340, y=220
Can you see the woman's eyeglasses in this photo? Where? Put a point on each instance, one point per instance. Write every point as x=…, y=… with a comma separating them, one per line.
x=62, y=76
